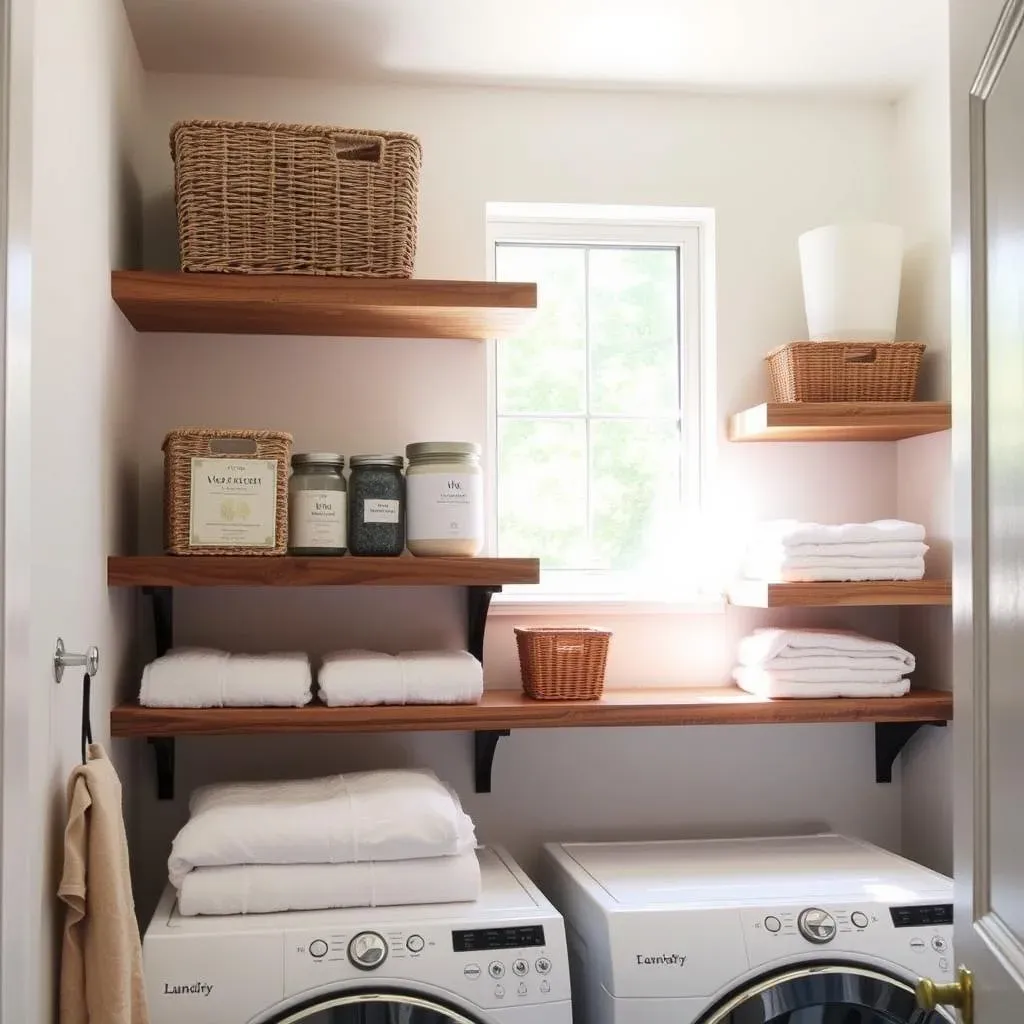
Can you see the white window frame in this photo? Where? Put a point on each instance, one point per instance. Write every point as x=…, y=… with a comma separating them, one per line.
x=692, y=231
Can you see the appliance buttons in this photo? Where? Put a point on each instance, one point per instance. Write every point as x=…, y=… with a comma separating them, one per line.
x=943, y=964
x=367, y=951
x=499, y=991
x=772, y=924
x=472, y=971
x=917, y=945
x=521, y=989
x=816, y=925
x=543, y=965
x=939, y=944
x=415, y=943
x=496, y=969
x=545, y=986
x=859, y=919
x=520, y=967
x=317, y=949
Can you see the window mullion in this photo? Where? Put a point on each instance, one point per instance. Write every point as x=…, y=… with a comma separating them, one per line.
x=587, y=388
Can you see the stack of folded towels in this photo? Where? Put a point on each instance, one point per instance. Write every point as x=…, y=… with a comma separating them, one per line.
x=817, y=663
x=193, y=678
x=787, y=551
x=367, y=839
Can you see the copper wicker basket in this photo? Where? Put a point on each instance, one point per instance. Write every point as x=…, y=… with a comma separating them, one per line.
x=840, y=371
x=182, y=446
x=563, y=664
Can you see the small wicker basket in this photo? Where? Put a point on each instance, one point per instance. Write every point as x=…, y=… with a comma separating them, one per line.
x=182, y=446
x=563, y=664
x=839, y=371
x=256, y=198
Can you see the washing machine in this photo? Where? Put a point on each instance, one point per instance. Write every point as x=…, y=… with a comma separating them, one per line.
x=814, y=929
x=500, y=960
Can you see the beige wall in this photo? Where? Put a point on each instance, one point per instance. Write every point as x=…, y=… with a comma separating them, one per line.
x=87, y=90
x=771, y=169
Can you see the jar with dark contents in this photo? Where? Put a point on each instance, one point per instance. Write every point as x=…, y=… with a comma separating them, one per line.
x=376, y=505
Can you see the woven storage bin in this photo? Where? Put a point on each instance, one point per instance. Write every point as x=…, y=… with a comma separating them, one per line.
x=563, y=664
x=257, y=198
x=839, y=371
x=182, y=446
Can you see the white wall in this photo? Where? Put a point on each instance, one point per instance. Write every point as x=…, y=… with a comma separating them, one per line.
x=924, y=490
x=771, y=168
x=85, y=211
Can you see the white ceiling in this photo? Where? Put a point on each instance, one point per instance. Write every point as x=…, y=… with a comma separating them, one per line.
x=870, y=47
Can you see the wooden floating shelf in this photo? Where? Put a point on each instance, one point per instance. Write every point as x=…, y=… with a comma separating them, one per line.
x=510, y=709
x=270, y=571
x=839, y=421
x=754, y=594
x=323, y=306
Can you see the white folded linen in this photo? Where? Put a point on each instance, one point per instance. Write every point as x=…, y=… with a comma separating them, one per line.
x=364, y=816
x=789, y=532
x=354, y=678
x=820, y=675
x=872, y=569
x=764, y=684
x=833, y=562
x=872, y=549
x=197, y=678
x=812, y=648
x=269, y=888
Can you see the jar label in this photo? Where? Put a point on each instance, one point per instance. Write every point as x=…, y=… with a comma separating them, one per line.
x=445, y=506
x=381, y=510
x=233, y=503
x=317, y=519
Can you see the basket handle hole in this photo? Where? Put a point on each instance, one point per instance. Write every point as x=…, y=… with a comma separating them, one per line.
x=860, y=355
x=233, y=446
x=570, y=648
x=364, y=149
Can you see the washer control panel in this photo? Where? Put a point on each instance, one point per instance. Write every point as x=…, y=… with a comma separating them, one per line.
x=816, y=925
x=368, y=951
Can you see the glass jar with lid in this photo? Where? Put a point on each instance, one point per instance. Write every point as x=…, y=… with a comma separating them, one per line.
x=376, y=513
x=445, y=499
x=317, y=504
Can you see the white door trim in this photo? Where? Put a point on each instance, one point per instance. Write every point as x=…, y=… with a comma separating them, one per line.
x=22, y=902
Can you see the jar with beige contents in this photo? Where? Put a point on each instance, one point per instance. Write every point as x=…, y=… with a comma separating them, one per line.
x=445, y=507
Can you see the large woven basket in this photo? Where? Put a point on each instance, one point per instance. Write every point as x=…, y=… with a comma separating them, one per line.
x=563, y=664
x=182, y=446
x=257, y=198
x=839, y=371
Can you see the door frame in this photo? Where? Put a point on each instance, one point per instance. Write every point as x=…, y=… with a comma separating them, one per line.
x=22, y=731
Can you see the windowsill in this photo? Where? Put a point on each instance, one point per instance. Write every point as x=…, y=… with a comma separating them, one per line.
x=572, y=605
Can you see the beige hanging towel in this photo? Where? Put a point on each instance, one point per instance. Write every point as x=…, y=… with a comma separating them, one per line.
x=101, y=979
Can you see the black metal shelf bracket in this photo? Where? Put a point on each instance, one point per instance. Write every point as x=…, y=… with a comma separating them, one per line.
x=890, y=739
x=484, y=746
x=478, y=604
x=162, y=599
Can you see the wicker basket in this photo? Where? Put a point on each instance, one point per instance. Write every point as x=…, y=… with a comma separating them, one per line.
x=839, y=371
x=182, y=446
x=258, y=198
x=563, y=664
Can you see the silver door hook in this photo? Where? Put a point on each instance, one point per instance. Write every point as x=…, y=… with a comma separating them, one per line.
x=62, y=659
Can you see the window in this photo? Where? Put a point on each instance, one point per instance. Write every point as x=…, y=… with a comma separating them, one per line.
x=597, y=404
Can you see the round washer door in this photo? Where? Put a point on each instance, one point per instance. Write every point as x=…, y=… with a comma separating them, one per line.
x=374, y=1008
x=825, y=994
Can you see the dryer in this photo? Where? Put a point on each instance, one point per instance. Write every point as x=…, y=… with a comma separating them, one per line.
x=500, y=960
x=814, y=929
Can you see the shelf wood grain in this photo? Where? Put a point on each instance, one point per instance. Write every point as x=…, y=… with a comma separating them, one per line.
x=839, y=421
x=510, y=709
x=754, y=594
x=322, y=306
x=269, y=571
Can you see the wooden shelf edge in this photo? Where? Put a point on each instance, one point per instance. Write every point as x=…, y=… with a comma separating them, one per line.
x=839, y=421
x=755, y=594
x=286, y=571
x=510, y=709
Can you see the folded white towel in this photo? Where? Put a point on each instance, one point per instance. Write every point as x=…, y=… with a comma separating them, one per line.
x=353, y=678
x=811, y=648
x=763, y=684
x=830, y=562
x=789, y=532
x=872, y=569
x=365, y=816
x=819, y=675
x=269, y=888
x=874, y=549
x=196, y=678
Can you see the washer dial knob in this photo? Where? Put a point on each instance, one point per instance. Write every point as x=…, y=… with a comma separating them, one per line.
x=367, y=951
x=817, y=926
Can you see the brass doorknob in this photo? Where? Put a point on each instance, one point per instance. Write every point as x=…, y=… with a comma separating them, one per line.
x=958, y=994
